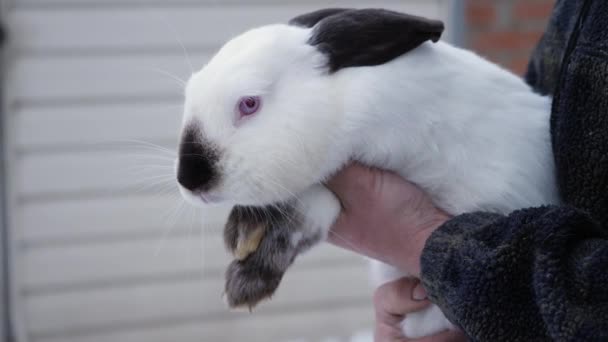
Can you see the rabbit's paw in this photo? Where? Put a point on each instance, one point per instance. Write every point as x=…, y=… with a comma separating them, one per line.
x=264, y=241
x=244, y=231
x=248, y=282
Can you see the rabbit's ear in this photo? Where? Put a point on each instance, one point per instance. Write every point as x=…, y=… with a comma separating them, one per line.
x=312, y=18
x=370, y=37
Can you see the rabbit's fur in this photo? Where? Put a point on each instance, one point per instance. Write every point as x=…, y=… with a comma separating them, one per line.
x=471, y=134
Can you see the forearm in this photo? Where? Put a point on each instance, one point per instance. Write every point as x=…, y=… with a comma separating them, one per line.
x=536, y=274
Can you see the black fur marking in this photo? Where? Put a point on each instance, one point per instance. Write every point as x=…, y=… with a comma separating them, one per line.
x=369, y=37
x=312, y=18
x=197, y=166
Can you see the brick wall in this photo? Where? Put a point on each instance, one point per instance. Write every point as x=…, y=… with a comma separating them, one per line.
x=506, y=31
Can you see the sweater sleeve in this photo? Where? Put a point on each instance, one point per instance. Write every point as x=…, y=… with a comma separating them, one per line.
x=537, y=274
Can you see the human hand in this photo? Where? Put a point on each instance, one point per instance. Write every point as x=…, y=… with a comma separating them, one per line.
x=393, y=301
x=383, y=216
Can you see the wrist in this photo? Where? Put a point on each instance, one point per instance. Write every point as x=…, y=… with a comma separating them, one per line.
x=415, y=242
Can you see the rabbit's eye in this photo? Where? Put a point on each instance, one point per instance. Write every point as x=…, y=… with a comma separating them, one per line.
x=249, y=105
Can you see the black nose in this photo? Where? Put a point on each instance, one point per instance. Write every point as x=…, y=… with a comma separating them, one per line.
x=197, y=166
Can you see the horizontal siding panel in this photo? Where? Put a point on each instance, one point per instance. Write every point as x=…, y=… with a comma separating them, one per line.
x=175, y=3
x=314, y=325
x=104, y=171
x=72, y=78
x=123, y=261
x=104, y=263
x=89, y=220
x=85, y=29
x=82, y=126
x=154, y=302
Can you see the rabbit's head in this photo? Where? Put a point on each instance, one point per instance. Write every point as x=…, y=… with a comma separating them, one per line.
x=263, y=119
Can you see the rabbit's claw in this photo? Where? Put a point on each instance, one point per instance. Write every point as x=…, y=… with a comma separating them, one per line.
x=260, y=238
x=248, y=239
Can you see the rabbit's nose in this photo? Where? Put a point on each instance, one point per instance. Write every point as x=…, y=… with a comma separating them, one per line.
x=197, y=166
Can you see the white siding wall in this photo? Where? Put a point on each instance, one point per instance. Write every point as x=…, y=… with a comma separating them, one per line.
x=97, y=254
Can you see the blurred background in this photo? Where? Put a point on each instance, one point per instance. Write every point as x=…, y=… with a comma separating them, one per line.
x=97, y=245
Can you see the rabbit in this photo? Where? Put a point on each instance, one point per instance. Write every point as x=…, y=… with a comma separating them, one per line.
x=281, y=108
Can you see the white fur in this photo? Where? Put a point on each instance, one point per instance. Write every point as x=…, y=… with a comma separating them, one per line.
x=471, y=134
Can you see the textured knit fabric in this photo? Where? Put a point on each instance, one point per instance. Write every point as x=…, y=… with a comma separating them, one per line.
x=541, y=274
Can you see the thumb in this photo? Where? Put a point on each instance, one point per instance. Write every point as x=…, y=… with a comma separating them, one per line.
x=351, y=183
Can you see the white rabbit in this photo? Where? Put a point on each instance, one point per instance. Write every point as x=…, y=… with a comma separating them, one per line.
x=281, y=108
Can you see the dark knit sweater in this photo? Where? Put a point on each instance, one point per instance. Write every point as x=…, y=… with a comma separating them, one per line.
x=541, y=274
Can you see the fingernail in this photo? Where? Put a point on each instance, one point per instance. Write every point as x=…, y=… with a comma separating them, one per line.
x=419, y=293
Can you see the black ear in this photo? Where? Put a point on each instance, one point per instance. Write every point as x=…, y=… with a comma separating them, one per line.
x=370, y=37
x=312, y=18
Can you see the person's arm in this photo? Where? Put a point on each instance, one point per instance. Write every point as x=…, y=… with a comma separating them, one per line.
x=537, y=274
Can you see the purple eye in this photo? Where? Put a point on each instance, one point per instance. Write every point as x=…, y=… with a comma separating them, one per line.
x=249, y=105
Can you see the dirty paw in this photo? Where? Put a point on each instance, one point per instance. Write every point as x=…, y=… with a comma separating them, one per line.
x=243, y=235
x=264, y=242
x=247, y=284
x=245, y=229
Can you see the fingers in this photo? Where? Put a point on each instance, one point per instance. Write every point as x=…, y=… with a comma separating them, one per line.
x=419, y=293
x=351, y=183
x=339, y=233
x=348, y=186
x=397, y=298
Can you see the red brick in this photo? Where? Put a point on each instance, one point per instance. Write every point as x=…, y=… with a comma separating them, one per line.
x=480, y=14
x=519, y=65
x=535, y=10
x=506, y=31
x=505, y=41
